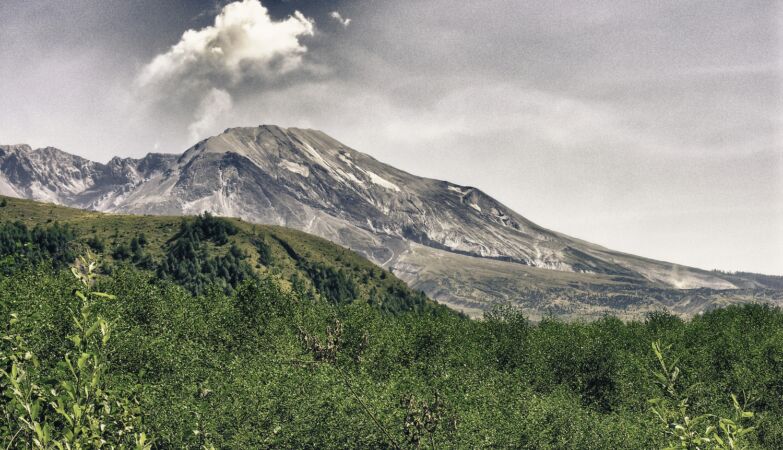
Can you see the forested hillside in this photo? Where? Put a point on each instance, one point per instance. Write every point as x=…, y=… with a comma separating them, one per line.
x=199, y=252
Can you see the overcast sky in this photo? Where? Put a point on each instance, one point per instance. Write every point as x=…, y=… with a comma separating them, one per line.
x=651, y=127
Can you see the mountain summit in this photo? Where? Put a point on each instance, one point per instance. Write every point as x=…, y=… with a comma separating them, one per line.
x=426, y=231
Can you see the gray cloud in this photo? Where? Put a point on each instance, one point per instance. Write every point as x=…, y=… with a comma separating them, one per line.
x=339, y=18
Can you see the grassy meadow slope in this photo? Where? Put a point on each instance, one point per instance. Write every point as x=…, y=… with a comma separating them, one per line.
x=294, y=257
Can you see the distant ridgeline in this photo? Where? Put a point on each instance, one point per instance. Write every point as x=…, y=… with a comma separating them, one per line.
x=771, y=281
x=199, y=253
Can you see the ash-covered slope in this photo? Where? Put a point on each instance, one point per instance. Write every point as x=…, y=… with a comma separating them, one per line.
x=306, y=180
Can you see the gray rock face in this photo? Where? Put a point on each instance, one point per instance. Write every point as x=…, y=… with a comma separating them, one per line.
x=307, y=180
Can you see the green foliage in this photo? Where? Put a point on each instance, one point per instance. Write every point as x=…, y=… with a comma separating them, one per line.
x=96, y=244
x=70, y=405
x=283, y=360
x=264, y=251
x=189, y=263
x=704, y=431
x=139, y=256
x=263, y=367
x=206, y=227
x=424, y=419
x=20, y=245
x=121, y=252
x=334, y=285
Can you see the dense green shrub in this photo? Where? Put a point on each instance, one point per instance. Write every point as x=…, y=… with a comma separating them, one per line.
x=69, y=405
x=261, y=366
x=188, y=260
x=96, y=244
x=334, y=285
x=20, y=245
x=264, y=251
x=206, y=227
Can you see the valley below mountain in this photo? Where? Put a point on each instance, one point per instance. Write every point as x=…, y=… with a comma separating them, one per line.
x=456, y=243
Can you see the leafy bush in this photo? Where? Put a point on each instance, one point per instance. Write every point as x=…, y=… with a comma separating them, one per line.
x=20, y=245
x=685, y=431
x=189, y=263
x=74, y=408
x=266, y=366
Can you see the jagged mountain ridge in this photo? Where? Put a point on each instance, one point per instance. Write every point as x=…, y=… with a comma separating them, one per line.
x=307, y=180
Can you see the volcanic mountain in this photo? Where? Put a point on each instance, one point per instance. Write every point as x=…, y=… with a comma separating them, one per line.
x=455, y=242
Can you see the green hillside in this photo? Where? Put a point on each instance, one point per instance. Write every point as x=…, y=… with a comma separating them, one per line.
x=311, y=265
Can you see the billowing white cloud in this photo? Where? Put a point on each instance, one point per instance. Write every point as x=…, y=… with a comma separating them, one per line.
x=215, y=104
x=243, y=42
x=201, y=71
x=339, y=18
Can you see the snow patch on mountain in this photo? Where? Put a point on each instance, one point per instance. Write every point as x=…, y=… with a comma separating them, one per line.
x=316, y=156
x=380, y=181
x=295, y=168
